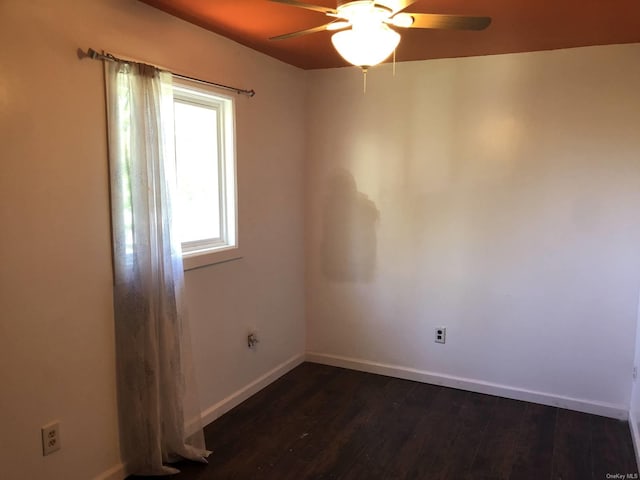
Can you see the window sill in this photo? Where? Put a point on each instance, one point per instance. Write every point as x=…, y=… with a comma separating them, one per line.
x=191, y=261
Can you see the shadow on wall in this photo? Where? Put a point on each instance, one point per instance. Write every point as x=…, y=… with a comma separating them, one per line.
x=349, y=241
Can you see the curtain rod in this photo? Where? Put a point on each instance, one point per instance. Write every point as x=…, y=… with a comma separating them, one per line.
x=91, y=53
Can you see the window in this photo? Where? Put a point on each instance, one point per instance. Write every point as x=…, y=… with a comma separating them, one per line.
x=205, y=207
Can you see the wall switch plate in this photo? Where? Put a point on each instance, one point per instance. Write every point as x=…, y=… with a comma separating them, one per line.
x=441, y=335
x=50, y=438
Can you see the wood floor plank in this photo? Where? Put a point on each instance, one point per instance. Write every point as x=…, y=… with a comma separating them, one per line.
x=473, y=419
x=349, y=440
x=316, y=452
x=572, y=447
x=433, y=438
x=275, y=426
x=293, y=389
x=496, y=455
x=612, y=448
x=394, y=426
x=534, y=449
x=400, y=441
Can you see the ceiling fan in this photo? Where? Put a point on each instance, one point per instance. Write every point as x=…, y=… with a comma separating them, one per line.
x=365, y=29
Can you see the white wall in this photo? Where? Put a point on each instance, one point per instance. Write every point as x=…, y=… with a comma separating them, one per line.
x=56, y=326
x=497, y=196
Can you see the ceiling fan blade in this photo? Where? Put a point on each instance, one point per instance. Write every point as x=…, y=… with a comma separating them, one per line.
x=397, y=5
x=308, y=6
x=319, y=28
x=449, y=22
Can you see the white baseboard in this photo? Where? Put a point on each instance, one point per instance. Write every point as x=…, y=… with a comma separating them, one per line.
x=117, y=472
x=635, y=436
x=236, y=398
x=587, y=406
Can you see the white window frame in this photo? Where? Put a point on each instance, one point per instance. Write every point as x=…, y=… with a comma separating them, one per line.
x=205, y=252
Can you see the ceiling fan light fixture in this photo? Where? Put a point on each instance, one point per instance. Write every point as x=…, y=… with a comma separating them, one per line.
x=366, y=47
x=403, y=20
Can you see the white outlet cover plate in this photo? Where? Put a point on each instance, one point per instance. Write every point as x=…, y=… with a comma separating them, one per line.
x=51, y=438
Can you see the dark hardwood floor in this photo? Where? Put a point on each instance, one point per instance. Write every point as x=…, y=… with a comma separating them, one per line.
x=320, y=422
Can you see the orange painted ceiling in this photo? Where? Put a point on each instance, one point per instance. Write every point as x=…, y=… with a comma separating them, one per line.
x=517, y=26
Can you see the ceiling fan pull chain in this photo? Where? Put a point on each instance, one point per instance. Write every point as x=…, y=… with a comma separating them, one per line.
x=364, y=80
x=394, y=62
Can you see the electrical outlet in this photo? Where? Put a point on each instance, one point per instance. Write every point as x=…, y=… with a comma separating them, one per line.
x=50, y=438
x=441, y=335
